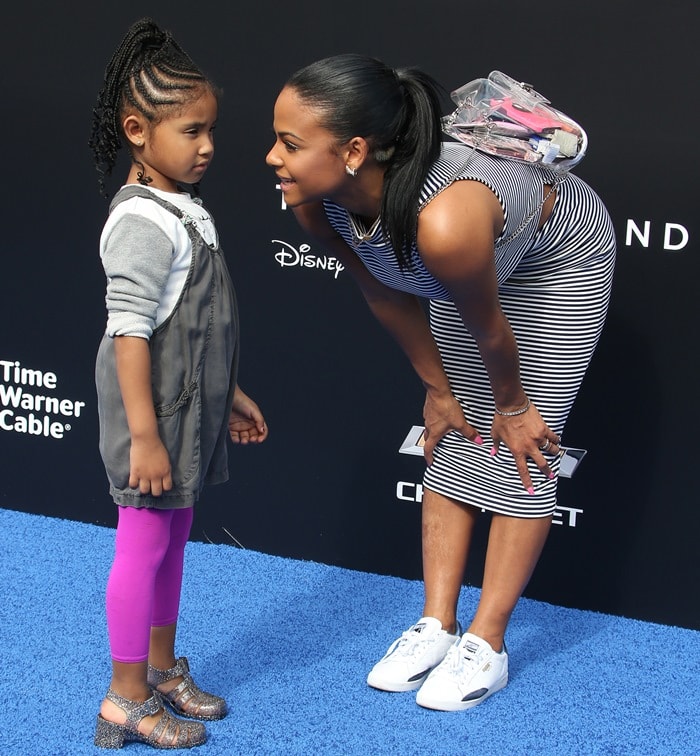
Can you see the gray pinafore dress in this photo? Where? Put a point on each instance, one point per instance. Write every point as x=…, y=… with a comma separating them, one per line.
x=194, y=362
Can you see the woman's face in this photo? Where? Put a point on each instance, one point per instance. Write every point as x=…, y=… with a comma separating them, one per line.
x=308, y=161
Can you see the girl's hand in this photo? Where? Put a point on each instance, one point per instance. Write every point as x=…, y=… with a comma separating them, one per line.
x=526, y=435
x=149, y=467
x=442, y=413
x=246, y=423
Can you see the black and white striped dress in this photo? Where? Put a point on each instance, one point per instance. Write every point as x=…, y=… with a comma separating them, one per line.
x=554, y=287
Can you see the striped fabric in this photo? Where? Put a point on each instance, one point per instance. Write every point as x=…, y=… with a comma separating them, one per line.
x=554, y=286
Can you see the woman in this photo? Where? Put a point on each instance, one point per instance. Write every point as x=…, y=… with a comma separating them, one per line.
x=518, y=272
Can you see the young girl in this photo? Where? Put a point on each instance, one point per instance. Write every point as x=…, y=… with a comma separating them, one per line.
x=518, y=271
x=166, y=375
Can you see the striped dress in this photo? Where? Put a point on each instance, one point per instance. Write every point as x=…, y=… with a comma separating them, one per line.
x=554, y=287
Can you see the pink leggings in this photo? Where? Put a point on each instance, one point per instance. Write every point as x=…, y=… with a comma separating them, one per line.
x=143, y=589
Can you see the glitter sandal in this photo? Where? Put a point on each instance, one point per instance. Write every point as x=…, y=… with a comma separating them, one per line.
x=186, y=698
x=169, y=732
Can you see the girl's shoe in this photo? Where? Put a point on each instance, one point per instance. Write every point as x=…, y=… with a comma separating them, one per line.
x=169, y=732
x=186, y=698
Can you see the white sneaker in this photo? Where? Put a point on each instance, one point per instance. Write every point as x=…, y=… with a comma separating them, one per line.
x=411, y=657
x=470, y=672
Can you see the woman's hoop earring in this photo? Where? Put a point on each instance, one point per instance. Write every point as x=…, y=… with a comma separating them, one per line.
x=351, y=171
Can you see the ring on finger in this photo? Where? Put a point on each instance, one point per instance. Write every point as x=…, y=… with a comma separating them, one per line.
x=545, y=446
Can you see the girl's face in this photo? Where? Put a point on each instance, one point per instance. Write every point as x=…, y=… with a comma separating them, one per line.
x=178, y=149
x=307, y=158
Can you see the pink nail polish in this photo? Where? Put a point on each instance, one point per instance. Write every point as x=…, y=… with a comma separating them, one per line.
x=551, y=475
x=531, y=491
x=479, y=440
x=493, y=452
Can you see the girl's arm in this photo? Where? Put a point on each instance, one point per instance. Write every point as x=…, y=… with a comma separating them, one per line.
x=456, y=236
x=402, y=315
x=246, y=423
x=149, y=463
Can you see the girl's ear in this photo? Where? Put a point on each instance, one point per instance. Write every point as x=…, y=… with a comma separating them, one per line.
x=134, y=130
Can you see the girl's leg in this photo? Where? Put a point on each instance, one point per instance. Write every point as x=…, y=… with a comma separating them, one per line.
x=142, y=540
x=447, y=530
x=514, y=546
x=170, y=675
x=166, y=601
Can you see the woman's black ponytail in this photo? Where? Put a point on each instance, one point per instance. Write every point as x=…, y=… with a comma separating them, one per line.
x=417, y=148
x=398, y=112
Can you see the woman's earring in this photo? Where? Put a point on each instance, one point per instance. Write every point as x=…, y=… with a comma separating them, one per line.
x=350, y=171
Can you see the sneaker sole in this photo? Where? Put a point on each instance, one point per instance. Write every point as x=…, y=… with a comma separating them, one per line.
x=392, y=686
x=438, y=705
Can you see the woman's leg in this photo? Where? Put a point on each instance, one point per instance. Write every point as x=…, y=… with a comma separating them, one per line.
x=514, y=547
x=471, y=672
x=447, y=531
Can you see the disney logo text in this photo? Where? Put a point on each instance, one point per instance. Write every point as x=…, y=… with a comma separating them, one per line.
x=288, y=256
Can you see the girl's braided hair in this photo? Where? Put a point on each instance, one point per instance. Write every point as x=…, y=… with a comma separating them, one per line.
x=149, y=73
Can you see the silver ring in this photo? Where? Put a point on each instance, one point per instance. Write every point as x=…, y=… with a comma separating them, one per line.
x=545, y=446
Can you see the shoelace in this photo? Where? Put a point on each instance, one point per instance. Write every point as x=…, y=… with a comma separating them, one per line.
x=459, y=660
x=411, y=641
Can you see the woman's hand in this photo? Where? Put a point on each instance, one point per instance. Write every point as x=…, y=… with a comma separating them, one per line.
x=149, y=466
x=442, y=413
x=246, y=423
x=526, y=435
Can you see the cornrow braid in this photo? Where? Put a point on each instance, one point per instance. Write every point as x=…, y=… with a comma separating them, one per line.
x=148, y=72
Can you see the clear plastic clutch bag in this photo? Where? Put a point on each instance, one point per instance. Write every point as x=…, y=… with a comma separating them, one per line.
x=503, y=117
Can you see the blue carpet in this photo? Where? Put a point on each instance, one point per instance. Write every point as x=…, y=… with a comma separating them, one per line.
x=289, y=644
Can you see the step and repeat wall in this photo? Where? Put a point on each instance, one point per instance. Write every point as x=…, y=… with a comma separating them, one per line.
x=336, y=481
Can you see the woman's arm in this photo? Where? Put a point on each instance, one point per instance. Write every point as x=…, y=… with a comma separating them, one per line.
x=456, y=234
x=402, y=315
x=149, y=462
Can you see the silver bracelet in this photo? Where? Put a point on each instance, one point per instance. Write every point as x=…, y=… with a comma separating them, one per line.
x=520, y=411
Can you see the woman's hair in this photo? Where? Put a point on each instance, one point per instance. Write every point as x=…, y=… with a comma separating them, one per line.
x=397, y=112
x=149, y=74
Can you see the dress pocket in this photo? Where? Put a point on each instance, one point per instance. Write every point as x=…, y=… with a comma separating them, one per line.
x=179, y=423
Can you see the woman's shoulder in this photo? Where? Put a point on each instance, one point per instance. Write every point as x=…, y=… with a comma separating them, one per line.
x=446, y=192
x=463, y=209
x=452, y=162
x=453, y=157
